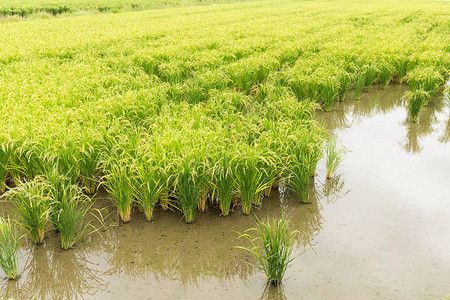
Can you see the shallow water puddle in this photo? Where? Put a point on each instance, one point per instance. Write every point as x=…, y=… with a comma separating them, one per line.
x=379, y=230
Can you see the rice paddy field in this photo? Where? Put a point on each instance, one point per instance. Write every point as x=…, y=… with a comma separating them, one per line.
x=122, y=124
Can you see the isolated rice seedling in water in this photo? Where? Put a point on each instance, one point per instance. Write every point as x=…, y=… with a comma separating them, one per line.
x=272, y=247
x=119, y=186
x=334, y=157
x=416, y=101
x=9, y=246
x=32, y=206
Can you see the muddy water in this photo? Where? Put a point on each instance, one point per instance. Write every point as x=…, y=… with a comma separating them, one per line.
x=379, y=230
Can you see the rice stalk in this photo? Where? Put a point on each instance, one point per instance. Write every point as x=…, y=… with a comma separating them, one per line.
x=334, y=157
x=32, y=206
x=9, y=246
x=272, y=247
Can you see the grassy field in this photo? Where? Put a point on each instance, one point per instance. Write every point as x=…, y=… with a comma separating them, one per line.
x=202, y=104
x=28, y=8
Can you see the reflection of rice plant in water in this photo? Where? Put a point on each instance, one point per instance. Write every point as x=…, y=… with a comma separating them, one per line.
x=9, y=245
x=119, y=186
x=71, y=216
x=32, y=206
x=272, y=247
x=416, y=101
x=334, y=157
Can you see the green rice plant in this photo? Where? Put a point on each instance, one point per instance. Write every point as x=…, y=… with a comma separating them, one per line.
x=187, y=189
x=57, y=185
x=71, y=216
x=371, y=73
x=305, y=153
x=359, y=82
x=9, y=246
x=272, y=247
x=32, y=206
x=329, y=92
x=334, y=157
x=416, y=101
x=119, y=185
x=148, y=186
x=223, y=183
x=427, y=79
x=4, y=158
x=344, y=84
x=386, y=73
x=298, y=180
x=88, y=166
x=248, y=179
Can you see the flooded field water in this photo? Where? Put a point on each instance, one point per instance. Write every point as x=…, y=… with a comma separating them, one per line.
x=379, y=230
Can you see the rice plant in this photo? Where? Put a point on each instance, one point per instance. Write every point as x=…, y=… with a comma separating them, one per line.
x=4, y=158
x=119, y=186
x=71, y=216
x=148, y=186
x=223, y=182
x=88, y=165
x=272, y=247
x=32, y=205
x=386, y=74
x=248, y=180
x=299, y=179
x=187, y=189
x=427, y=79
x=9, y=246
x=57, y=190
x=416, y=101
x=334, y=157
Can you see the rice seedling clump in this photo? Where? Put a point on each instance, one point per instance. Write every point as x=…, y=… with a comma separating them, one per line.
x=272, y=247
x=9, y=246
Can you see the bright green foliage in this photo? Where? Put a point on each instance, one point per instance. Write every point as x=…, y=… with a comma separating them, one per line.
x=305, y=155
x=272, y=247
x=427, y=79
x=248, y=178
x=4, y=158
x=188, y=190
x=223, y=182
x=119, y=186
x=94, y=94
x=416, y=101
x=148, y=185
x=46, y=8
x=334, y=157
x=70, y=218
x=57, y=190
x=33, y=207
x=386, y=74
x=9, y=246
